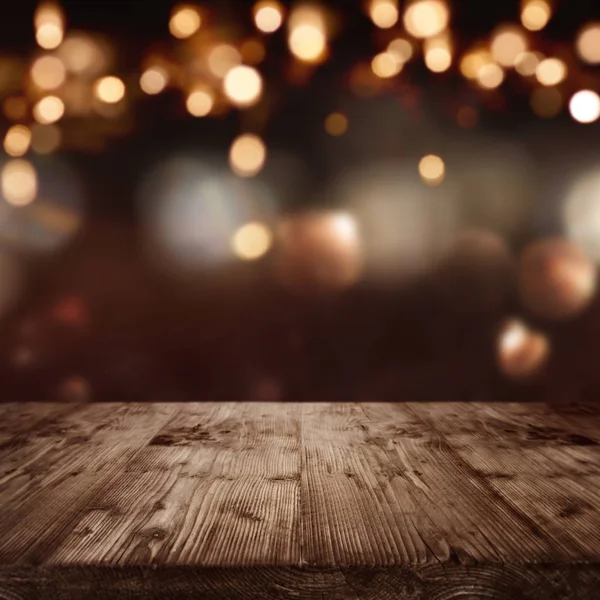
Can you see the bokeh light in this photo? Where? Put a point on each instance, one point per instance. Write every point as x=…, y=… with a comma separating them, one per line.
x=109, y=89
x=472, y=62
x=252, y=241
x=426, y=18
x=581, y=213
x=154, y=80
x=307, y=42
x=45, y=139
x=318, y=250
x=438, y=54
x=535, y=14
x=551, y=71
x=49, y=110
x=184, y=22
x=48, y=72
x=546, y=102
x=385, y=65
x=19, y=182
x=222, y=58
x=17, y=140
x=384, y=13
x=507, y=44
x=557, y=279
x=200, y=102
x=247, y=155
x=401, y=49
x=336, y=124
x=49, y=36
x=588, y=43
x=490, y=76
x=432, y=169
x=585, y=106
x=526, y=63
x=521, y=352
x=268, y=16
x=243, y=86
x=82, y=54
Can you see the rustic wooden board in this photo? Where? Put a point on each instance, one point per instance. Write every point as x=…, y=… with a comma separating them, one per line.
x=254, y=500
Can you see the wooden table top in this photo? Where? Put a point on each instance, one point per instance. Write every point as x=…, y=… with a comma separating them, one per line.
x=256, y=500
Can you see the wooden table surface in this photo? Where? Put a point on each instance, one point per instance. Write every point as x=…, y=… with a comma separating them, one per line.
x=248, y=500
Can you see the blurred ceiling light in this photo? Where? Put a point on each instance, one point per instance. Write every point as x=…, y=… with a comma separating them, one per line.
x=247, y=155
x=526, y=63
x=48, y=72
x=49, y=110
x=48, y=12
x=336, y=124
x=184, y=22
x=17, y=140
x=546, y=102
x=426, y=18
x=581, y=213
x=252, y=241
x=45, y=139
x=490, y=76
x=438, y=54
x=385, y=65
x=588, y=43
x=551, y=71
x=556, y=279
x=432, y=169
x=252, y=51
x=222, y=58
x=318, y=250
x=307, y=42
x=584, y=106
x=472, y=62
x=521, y=353
x=19, y=182
x=15, y=108
x=154, y=80
x=200, y=102
x=49, y=36
x=82, y=54
x=109, y=89
x=535, y=14
x=384, y=13
x=243, y=86
x=508, y=42
x=401, y=49
x=268, y=15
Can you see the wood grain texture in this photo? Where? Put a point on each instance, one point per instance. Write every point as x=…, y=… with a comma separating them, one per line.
x=253, y=500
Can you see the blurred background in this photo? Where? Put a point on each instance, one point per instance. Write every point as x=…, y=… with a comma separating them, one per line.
x=299, y=201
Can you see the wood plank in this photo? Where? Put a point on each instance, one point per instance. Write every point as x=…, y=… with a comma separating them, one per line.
x=516, y=458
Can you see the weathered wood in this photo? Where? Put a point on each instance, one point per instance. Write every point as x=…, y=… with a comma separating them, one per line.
x=231, y=500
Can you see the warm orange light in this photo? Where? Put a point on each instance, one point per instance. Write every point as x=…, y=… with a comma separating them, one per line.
x=15, y=108
x=588, y=43
x=49, y=110
x=307, y=42
x=521, y=352
x=185, y=21
x=45, y=139
x=551, y=71
x=472, y=62
x=252, y=51
x=247, y=155
x=384, y=13
x=507, y=44
x=154, y=80
x=535, y=14
x=585, y=106
x=268, y=15
x=432, y=169
x=401, y=49
x=527, y=62
x=17, y=140
x=49, y=36
x=490, y=76
x=336, y=124
x=243, y=86
x=109, y=89
x=48, y=72
x=252, y=241
x=438, y=54
x=19, y=182
x=200, y=102
x=222, y=58
x=386, y=65
x=426, y=18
